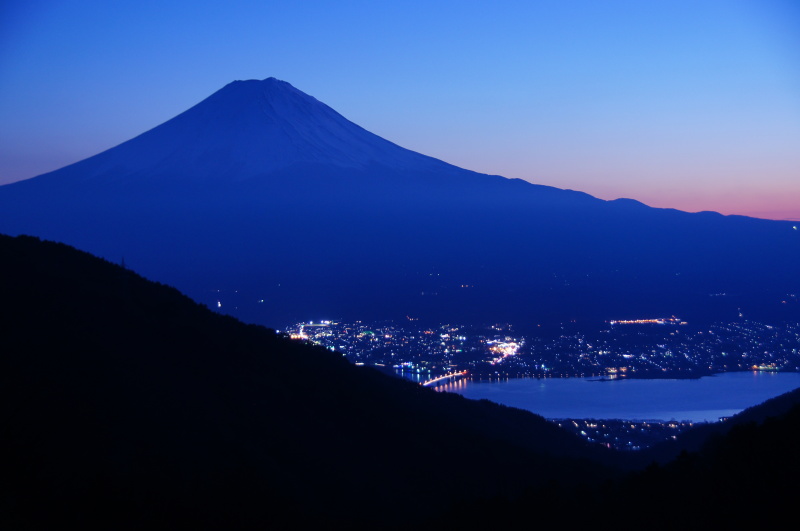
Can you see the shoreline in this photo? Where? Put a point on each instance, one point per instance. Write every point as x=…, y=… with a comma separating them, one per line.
x=611, y=377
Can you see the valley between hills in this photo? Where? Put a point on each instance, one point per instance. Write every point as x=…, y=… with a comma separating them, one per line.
x=127, y=404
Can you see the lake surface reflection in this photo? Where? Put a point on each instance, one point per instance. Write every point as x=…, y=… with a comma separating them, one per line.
x=704, y=399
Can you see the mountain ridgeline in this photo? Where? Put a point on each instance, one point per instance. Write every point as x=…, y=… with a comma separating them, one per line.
x=269, y=202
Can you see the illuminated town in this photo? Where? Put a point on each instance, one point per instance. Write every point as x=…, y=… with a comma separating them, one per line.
x=642, y=348
x=647, y=348
x=629, y=435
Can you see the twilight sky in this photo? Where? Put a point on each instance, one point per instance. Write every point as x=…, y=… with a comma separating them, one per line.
x=685, y=104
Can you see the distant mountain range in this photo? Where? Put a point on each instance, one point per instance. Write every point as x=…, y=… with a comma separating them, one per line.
x=266, y=203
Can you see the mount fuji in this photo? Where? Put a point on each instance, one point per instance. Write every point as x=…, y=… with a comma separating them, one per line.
x=269, y=205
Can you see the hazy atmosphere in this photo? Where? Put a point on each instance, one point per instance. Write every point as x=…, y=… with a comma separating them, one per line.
x=688, y=105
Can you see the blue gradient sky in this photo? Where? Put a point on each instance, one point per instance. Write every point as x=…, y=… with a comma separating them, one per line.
x=692, y=105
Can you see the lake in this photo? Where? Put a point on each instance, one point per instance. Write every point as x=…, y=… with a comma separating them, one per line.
x=703, y=399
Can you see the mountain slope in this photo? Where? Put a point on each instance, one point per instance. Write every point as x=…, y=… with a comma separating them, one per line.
x=743, y=478
x=245, y=130
x=262, y=193
x=695, y=439
x=126, y=404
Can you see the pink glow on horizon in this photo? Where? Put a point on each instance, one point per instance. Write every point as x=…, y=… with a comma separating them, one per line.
x=743, y=201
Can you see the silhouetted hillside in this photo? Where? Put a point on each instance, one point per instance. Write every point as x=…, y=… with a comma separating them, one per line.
x=745, y=476
x=124, y=404
x=698, y=437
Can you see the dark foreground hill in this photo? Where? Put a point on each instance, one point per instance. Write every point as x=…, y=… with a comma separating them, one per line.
x=744, y=476
x=698, y=438
x=271, y=203
x=124, y=403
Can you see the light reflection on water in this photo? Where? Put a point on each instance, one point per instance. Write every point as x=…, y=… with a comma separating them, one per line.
x=704, y=399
